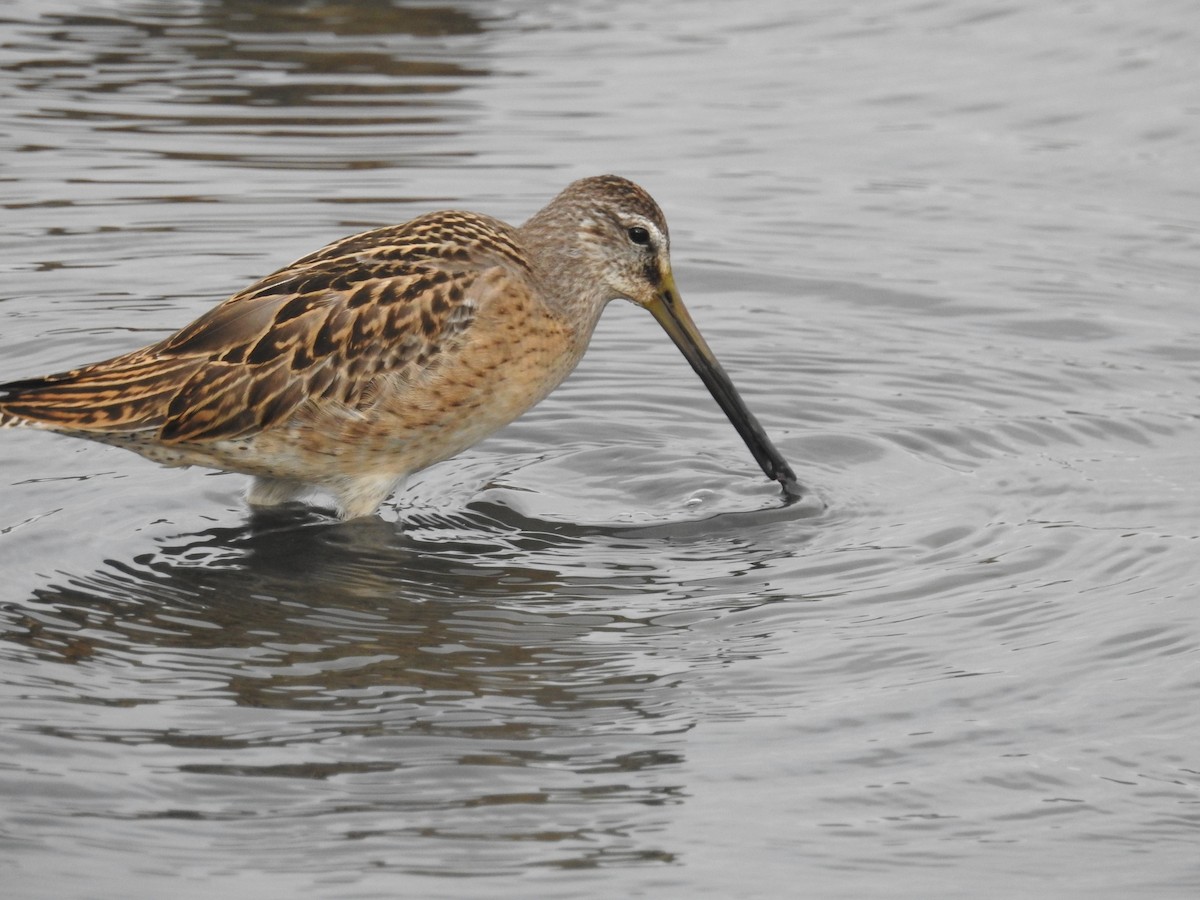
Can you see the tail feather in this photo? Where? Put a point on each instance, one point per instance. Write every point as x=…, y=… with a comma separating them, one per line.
x=125, y=394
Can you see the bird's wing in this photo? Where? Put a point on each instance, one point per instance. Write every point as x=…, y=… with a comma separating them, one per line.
x=318, y=331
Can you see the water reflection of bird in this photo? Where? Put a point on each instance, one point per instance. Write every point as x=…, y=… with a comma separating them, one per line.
x=387, y=351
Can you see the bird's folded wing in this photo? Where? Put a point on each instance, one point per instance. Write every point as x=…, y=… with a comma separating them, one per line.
x=319, y=331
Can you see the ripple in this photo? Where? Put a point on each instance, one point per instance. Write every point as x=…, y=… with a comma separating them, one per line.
x=624, y=486
x=580, y=651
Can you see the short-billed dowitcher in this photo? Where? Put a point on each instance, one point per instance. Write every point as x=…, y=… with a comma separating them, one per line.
x=388, y=351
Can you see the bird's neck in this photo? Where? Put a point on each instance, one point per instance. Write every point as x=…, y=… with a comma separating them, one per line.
x=565, y=271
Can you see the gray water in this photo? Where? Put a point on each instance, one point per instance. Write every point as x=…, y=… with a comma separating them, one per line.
x=948, y=252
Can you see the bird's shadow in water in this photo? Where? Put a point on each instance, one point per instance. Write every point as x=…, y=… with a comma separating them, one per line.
x=304, y=555
x=489, y=551
x=485, y=554
x=289, y=608
x=291, y=588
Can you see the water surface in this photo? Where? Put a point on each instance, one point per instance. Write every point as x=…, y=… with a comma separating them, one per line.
x=948, y=252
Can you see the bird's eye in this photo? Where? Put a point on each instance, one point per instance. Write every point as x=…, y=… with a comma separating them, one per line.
x=639, y=235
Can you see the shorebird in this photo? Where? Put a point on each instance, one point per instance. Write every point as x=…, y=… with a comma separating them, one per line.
x=388, y=351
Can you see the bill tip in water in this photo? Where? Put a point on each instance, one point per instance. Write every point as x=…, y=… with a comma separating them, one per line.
x=792, y=489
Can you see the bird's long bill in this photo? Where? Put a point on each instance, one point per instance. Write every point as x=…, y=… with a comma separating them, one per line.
x=671, y=314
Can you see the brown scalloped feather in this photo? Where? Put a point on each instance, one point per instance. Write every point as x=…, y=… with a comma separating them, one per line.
x=319, y=330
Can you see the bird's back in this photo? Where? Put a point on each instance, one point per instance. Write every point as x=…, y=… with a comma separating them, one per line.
x=320, y=328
